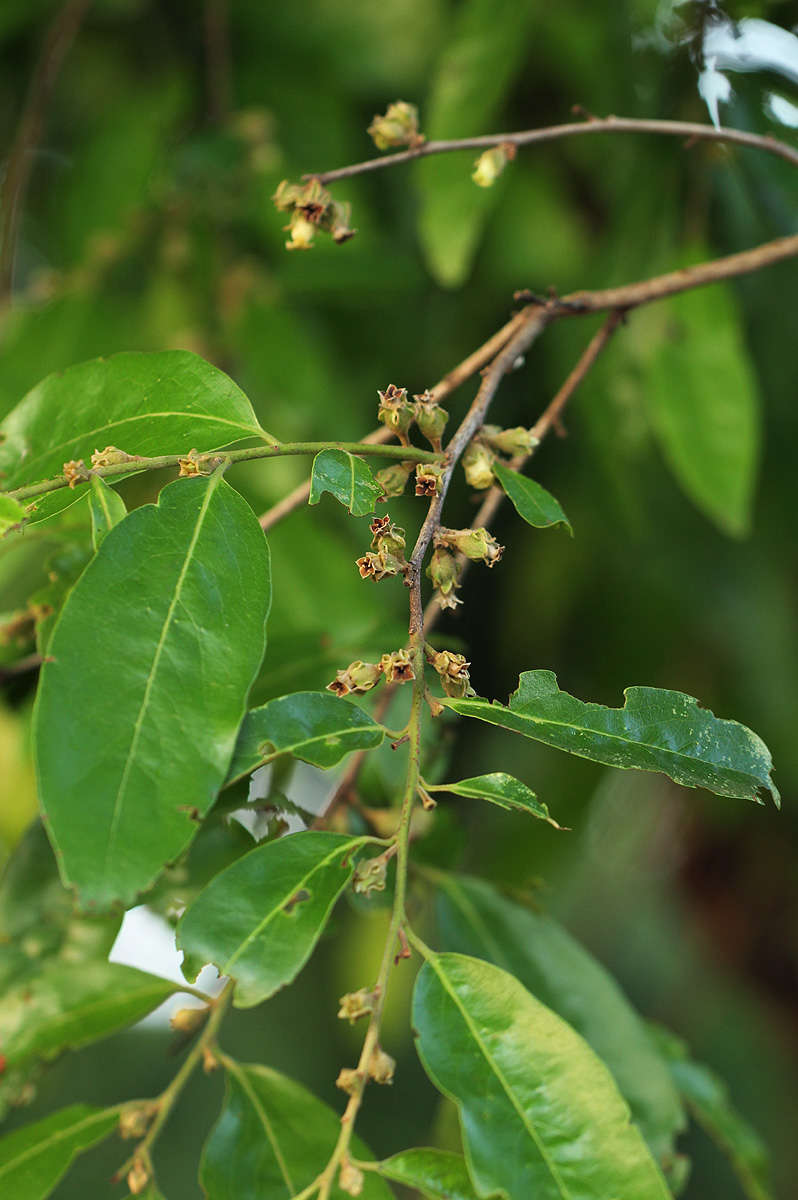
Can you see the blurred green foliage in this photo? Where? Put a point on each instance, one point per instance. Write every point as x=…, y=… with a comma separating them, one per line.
x=148, y=224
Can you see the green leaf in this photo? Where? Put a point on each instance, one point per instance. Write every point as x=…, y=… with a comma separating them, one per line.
x=35, y=1157
x=317, y=727
x=701, y=391
x=107, y=509
x=438, y=1174
x=474, y=919
x=72, y=1004
x=156, y=647
x=347, y=478
x=531, y=501
x=483, y=53
x=656, y=730
x=11, y=513
x=540, y=1113
x=272, y=1139
x=707, y=1098
x=499, y=789
x=260, y=919
x=166, y=402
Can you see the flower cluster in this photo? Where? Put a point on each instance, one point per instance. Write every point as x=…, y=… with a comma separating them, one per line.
x=491, y=163
x=386, y=556
x=476, y=544
x=398, y=126
x=312, y=208
x=360, y=677
x=452, y=670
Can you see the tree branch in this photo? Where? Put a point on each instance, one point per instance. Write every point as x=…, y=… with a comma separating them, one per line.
x=694, y=131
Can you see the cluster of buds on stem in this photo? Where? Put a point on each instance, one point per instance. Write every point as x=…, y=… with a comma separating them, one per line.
x=398, y=126
x=312, y=208
x=386, y=556
x=452, y=670
x=476, y=544
x=491, y=163
x=444, y=571
x=360, y=677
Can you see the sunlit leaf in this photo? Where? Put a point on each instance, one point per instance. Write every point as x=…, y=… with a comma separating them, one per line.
x=531, y=501
x=500, y=789
x=540, y=1113
x=272, y=1140
x=107, y=509
x=260, y=919
x=35, y=1157
x=317, y=727
x=140, y=701
x=656, y=730
x=437, y=1174
x=474, y=919
x=347, y=478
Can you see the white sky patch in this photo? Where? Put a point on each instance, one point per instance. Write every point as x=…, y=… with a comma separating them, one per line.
x=751, y=45
x=714, y=89
x=782, y=110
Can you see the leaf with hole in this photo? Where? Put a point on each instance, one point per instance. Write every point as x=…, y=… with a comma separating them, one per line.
x=317, y=727
x=540, y=1113
x=345, y=477
x=272, y=1140
x=531, y=501
x=145, y=686
x=656, y=730
x=259, y=920
x=475, y=919
x=35, y=1157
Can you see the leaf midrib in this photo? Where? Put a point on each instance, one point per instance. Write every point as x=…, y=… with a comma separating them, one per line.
x=564, y=1192
x=260, y=1112
x=47, y=1143
x=213, y=484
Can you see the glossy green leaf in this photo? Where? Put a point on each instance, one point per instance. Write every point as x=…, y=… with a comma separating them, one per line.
x=166, y=402
x=701, y=391
x=317, y=727
x=437, y=1174
x=540, y=1113
x=500, y=789
x=531, y=501
x=708, y=1101
x=345, y=477
x=272, y=1139
x=474, y=919
x=483, y=52
x=154, y=651
x=35, y=1157
x=11, y=513
x=260, y=919
x=107, y=509
x=656, y=730
x=71, y=1004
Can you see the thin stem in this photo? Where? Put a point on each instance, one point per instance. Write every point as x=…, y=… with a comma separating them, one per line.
x=169, y=1096
x=57, y=42
x=694, y=131
x=272, y=450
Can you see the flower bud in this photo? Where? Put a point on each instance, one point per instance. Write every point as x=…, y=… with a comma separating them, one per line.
x=387, y=539
x=428, y=479
x=397, y=127
x=370, y=875
x=359, y=677
x=302, y=232
x=431, y=419
x=377, y=566
x=453, y=671
x=350, y=1179
x=110, y=457
x=355, y=1005
x=477, y=463
x=395, y=411
x=444, y=572
x=337, y=223
x=393, y=479
x=348, y=1080
x=189, y=1020
x=135, y=1120
x=397, y=667
x=75, y=472
x=138, y=1177
x=476, y=544
x=510, y=441
x=381, y=1066
x=287, y=196
x=491, y=163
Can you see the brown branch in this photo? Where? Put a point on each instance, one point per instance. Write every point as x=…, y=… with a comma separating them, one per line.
x=450, y=382
x=693, y=131
x=57, y=42
x=547, y=421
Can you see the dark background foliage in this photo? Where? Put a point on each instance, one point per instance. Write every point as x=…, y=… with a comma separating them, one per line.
x=148, y=224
